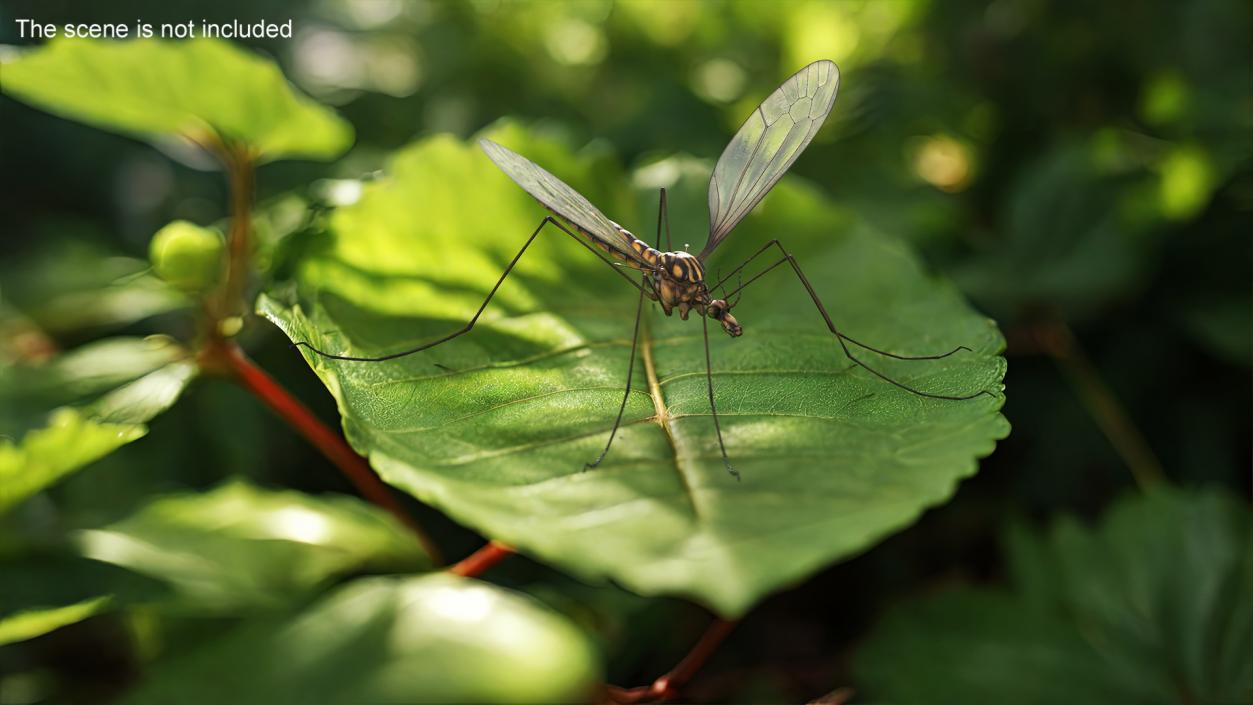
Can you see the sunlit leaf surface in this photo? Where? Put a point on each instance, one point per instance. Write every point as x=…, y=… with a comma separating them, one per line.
x=432, y=639
x=832, y=459
x=59, y=415
x=239, y=546
x=200, y=90
x=1155, y=605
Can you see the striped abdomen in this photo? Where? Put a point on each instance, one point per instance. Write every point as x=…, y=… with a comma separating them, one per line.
x=629, y=244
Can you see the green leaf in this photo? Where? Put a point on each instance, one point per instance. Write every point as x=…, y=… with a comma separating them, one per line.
x=239, y=547
x=833, y=459
x=431, y=639
x=70, y=441
x=202, y=90
x=29, y=624
x=100, y=397
x=1155, y=605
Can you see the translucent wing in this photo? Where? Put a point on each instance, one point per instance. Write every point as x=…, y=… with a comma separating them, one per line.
x=568, y=204
x=767, y=144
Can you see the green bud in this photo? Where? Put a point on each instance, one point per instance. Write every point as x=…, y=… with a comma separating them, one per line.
x=230, y=326
x=187, y=255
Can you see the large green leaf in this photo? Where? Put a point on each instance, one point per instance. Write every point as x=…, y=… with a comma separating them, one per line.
x=832, y=459
x=432, y=639
x=80, y=406
x=1153, y=606
x=200, y=89
x=242, y=547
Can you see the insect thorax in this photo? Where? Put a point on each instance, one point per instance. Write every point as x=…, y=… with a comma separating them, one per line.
x=680, y=283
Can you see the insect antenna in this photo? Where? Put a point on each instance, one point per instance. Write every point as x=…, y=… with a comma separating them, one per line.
x=739, y=291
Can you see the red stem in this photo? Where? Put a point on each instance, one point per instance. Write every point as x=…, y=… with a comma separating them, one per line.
x=330, y=443
x=482, y=559
x=667, y=686
x=221, y=355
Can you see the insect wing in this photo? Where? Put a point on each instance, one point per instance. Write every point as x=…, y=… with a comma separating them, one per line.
x=767, y=144
x=558, y=197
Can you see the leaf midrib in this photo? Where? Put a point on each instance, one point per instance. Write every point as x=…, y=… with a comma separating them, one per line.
x=663, y=417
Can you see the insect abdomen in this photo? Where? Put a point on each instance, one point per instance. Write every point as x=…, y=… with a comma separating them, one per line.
x=601, y=244
x=643, y=250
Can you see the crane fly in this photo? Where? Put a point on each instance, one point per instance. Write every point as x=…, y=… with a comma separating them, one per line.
x=763, y=149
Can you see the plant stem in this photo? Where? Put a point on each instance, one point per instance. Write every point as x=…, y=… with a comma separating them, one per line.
x=226, y=356
x=240, y=168
x=667, y=686
x=1056, y=339
x=220, y=354
x=474, y=564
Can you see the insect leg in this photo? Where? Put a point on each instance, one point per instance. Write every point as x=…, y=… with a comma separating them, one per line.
x=466, y=328
x=635, y=338
x=713, y=407
x=788, y=257
x=744, y=264
x=626, y=394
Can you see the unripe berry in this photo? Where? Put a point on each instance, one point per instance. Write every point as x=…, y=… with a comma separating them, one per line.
x=187, y=255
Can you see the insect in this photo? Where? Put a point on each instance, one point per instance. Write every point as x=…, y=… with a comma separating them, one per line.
x=763, y=149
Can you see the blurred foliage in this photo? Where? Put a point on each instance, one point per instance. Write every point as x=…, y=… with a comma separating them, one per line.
x=240, y=548
x=1155, y=605
x=157, y=89
x=1088, y=165
x=95, y=290
x=46, y=588
x=500, y=440
x=430, y=639
x=29, y=624
x=101, y=396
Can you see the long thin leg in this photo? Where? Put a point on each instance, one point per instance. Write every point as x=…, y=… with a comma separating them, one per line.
x=626, y=394
x=787, y=257
x=662, y=216
x=713, y=407
x=864, y=346
x=466, y=328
